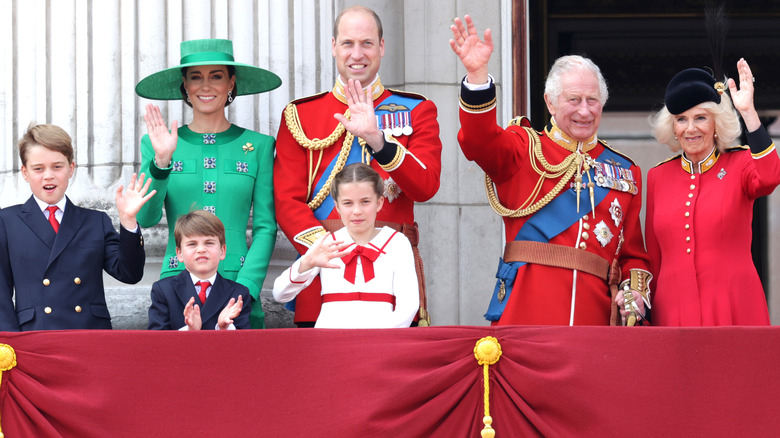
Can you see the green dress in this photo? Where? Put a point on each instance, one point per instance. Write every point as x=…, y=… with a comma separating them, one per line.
x=226, y=173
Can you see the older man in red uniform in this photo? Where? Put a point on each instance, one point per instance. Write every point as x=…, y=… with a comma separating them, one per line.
x=570, y=203
x=359, y=120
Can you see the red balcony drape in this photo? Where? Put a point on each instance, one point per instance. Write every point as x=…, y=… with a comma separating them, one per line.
x=421, y=382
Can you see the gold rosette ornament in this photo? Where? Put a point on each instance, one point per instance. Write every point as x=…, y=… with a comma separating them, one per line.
x=7, y=361
x=487, y=351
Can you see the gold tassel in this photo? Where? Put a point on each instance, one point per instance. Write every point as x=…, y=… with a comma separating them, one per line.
x=7, y=361
x=487, y=351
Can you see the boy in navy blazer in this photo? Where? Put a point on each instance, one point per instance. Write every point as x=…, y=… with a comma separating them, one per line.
x=53, y=253
x=199, y=298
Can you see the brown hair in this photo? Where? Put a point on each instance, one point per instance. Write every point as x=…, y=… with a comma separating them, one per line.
x=198, y=223
x=51, y=137
x=362, y=9
x=357, y=172
x=233, y=93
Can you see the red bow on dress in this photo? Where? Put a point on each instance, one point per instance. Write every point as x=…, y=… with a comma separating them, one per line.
x=350, y=261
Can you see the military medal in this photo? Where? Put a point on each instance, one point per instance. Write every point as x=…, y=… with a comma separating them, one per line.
x=397, y=128
x=407, y=123
x=615, y=178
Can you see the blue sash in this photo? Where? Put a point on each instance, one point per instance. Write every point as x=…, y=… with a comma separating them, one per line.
x=393, y=103
x=550, y=221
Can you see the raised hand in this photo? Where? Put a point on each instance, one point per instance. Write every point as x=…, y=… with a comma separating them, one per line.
x=743, y=97
x=163, y=140
x=230, y=312
x=362, y=120
x=322, y=252
x=192, y=315
x=130, y=201
x=473, y=52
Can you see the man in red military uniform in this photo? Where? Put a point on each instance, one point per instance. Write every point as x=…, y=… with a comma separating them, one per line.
x=359, y=120
x=570, y=203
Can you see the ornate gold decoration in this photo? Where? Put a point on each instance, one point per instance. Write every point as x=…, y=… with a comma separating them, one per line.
x=7, y=361
x=294, y=126
x=484, y=107
x=640, y=282
x=398, y=158
x=248, y=148
x=719, y=87
x=564, y=169
x=308, y=237
x=487, y=352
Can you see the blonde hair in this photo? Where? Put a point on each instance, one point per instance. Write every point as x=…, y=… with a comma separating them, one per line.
x=726, y=124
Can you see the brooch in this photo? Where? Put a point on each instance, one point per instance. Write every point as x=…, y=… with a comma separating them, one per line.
x=603, y=234
x=209, y=138
x=391, y=190
x=616, y=211
x=722, y=173
x=247, y=148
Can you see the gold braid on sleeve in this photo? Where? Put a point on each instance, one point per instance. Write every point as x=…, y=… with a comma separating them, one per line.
x=566, y=169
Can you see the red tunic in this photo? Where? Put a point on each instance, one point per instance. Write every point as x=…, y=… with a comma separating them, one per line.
x=699, y=237
x=416, y=178
x=544, y=294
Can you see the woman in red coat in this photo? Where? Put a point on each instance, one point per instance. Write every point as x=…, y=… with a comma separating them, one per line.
x=700, y=203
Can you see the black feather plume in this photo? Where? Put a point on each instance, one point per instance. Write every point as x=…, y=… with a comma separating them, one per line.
x=717, y=24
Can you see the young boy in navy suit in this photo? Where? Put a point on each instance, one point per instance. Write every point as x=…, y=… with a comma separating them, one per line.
x=53, y=253
x=192, y=300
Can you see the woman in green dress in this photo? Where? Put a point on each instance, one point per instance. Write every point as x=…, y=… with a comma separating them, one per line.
x=211, y=164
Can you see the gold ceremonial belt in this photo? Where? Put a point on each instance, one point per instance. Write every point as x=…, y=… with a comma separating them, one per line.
x=559, y=256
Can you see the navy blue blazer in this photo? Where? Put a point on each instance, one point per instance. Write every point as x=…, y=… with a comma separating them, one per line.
x=171, y=294
x=58, y=277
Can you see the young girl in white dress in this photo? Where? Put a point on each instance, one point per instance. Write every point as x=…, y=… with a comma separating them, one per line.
x=367, y=274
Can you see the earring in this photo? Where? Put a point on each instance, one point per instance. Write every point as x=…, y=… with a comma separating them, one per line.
x=188, y=97
x=675, y=137
x=716, y=135
x=230, y=97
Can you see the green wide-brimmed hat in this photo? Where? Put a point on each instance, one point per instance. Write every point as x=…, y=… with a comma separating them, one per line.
x=165, y=85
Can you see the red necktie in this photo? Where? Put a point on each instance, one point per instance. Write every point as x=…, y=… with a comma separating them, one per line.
x=202, y=294
x=53, y=218
x=368, y=256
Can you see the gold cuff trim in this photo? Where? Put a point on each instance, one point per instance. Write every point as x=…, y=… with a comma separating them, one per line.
x=484, y=107
x=766, y=152
x=400, y=152
x=640, y=282
x=308, y=237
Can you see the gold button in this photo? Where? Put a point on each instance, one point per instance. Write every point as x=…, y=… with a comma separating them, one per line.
x=687, y=214
x=78, y=309
x=687, y=226
x=688, y=204
x=47, y=309
x=585, y=235
x=693, y=176
x=583, y=245
x=77, y=280
x=46, y=282
x=586, y=226
x=690, y=195
x=693, y=186
x=688, y=250
x=688, y=239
